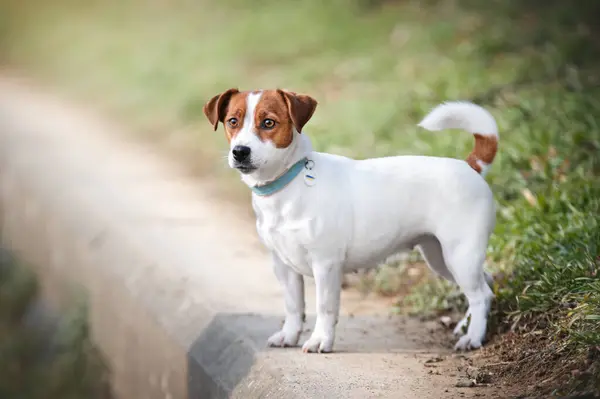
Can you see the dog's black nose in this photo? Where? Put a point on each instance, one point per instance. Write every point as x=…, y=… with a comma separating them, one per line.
x=240, y=153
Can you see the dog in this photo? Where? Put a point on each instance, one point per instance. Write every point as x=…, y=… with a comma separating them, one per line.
x=323, y=215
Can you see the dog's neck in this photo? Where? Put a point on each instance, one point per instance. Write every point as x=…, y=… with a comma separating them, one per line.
x=301, y=147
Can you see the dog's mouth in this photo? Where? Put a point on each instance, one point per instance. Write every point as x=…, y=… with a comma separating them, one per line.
x=245, y=169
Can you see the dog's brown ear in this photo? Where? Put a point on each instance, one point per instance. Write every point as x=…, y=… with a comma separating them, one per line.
x=216, y=108
x=300, y=107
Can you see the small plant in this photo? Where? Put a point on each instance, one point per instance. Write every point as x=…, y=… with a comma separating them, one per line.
x=38, y=362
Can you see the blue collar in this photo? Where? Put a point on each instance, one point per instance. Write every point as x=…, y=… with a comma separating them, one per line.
x=281, y=181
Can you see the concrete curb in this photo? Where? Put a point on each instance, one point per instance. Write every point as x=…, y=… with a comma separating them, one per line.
x=181, y=297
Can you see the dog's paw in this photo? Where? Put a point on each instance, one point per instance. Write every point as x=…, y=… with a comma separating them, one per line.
x=466, y=343
x=284, y=339
x=319, y=343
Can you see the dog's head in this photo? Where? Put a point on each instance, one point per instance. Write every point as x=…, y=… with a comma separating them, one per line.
x=261, y=126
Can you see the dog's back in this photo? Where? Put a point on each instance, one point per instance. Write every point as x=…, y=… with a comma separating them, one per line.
x=398, y=199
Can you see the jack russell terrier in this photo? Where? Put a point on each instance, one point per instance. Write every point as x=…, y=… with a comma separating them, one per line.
x=324, y=215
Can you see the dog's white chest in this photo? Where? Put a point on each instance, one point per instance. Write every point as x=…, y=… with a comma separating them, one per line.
x=286, y=237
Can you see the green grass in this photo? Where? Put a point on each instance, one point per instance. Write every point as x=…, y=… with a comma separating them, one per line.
x=376, y=68
x=40, y=358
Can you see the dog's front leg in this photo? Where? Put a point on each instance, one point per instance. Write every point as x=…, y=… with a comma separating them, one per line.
x=328, y=282
x=293, y=289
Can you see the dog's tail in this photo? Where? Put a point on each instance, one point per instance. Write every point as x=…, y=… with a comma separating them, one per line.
x=474, y=119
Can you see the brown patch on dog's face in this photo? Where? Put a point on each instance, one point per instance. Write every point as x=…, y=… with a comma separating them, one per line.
x=272, y=121
x=235, y=115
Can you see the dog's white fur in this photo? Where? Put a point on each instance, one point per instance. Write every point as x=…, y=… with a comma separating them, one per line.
x=360, y=212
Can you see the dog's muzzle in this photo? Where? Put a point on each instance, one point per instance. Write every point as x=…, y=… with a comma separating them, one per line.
x=242, y=158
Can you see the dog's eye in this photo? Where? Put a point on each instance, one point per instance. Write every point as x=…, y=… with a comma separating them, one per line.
x=268, y=124
x=232, y=122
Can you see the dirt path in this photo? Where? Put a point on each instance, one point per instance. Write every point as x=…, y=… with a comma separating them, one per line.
x=377, y=355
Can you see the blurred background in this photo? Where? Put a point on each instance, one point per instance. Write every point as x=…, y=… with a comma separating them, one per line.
x=376, y=67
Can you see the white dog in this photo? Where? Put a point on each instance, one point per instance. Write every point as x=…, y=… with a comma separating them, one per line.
x=324, y=215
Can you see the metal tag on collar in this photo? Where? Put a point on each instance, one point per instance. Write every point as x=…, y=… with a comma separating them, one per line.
x=310, y=178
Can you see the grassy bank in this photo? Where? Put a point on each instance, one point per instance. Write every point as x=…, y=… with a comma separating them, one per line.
x=41, y=357
x=376, y=68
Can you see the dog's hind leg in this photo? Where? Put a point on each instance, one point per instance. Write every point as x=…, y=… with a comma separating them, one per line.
x=461, y=326
x=430, y=248
x=465, y=262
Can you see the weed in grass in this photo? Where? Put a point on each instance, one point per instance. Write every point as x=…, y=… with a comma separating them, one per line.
x=36, y=361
